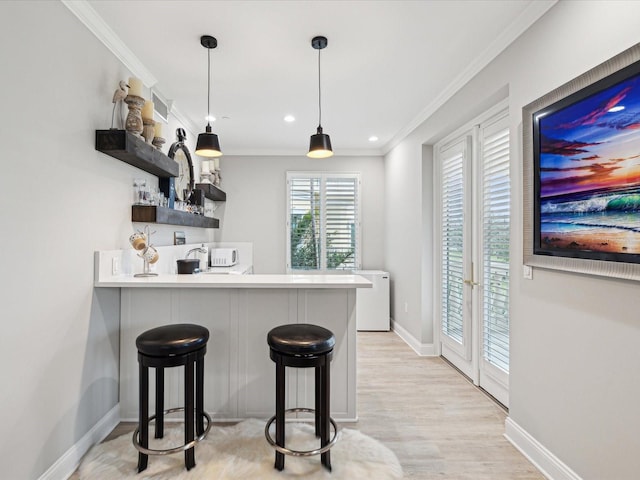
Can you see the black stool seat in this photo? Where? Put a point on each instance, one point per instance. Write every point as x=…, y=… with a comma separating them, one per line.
x=302, y=345
x=172, y=340
x=172, y=346
x=301, y=339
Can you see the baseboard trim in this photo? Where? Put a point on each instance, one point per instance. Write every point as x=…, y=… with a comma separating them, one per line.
x=545, y=461
x=69, y=461
x=422, y=349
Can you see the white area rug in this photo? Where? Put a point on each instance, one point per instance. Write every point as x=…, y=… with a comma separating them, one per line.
x=242, y=452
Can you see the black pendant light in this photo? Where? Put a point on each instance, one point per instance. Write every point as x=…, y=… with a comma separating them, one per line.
x=320, y=144
x=208, y=144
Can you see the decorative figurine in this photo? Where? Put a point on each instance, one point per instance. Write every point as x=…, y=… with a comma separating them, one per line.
x=118, y=98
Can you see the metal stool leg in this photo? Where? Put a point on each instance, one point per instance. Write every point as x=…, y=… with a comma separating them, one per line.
x=318, y=399
x=159, y=402
x=143, y=415
x=325, y=372
x=200, y=395
x=280, y=406
x=189, y=455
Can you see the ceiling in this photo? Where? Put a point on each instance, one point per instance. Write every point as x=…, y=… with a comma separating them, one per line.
x=387, y=66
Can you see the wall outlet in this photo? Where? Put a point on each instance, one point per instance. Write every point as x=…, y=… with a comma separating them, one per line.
x=527, y=272
x=115, y=266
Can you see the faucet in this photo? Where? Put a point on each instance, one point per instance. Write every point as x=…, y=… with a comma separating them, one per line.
x=197, y=249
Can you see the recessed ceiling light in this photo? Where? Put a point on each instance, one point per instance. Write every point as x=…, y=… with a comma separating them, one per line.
x=210, y=118
x=289, y=118
x=373, y=138
x=617, y=108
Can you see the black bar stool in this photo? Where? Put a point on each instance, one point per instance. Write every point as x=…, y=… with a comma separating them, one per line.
x=172, y=346
x=303, y=346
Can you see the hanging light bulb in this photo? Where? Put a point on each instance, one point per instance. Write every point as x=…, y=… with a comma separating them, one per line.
x=208, y=144
x=320, y=143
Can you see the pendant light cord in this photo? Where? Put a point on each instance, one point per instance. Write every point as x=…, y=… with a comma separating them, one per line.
x=319, y=93
x=208, y=87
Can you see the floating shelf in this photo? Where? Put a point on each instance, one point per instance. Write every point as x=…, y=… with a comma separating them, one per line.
x=135, y=151
x=169, y=216
x=212, y=192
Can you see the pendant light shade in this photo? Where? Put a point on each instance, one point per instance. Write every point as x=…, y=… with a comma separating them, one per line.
x=320, y=143
x=208, y=144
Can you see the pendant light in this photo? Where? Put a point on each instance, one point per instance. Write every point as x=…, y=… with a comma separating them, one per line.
x=208, y=144
x=320, y=143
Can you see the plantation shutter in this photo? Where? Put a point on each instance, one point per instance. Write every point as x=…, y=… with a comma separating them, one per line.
x=304, y=223
x=495, y=233
x=452, y=224
x=340, y=222
x=323, y=230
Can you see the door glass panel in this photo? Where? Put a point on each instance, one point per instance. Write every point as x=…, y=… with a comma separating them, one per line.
x=496, y=227
x=452, y=224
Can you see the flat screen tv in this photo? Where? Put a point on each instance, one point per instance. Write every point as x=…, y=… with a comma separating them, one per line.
x=584, y=170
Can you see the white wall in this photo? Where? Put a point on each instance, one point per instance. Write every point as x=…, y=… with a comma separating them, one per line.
x=574, y=338
x=255, y=210
x=61, y=200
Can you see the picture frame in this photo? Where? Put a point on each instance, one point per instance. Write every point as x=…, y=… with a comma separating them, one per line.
x=581, y=172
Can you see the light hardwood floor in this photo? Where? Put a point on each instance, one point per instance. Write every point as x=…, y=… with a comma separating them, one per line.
x=438, y=424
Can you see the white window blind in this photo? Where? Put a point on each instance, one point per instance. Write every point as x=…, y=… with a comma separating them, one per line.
x=495, y=228
x=323, y=226
x=452, y=224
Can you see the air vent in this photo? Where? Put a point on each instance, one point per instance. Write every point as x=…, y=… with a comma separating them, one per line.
x=160, y=107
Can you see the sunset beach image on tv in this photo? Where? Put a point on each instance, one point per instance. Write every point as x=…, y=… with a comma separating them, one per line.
x=587, y=172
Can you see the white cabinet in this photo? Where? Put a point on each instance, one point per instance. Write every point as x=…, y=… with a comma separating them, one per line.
x=143, y=309
x=239, y=374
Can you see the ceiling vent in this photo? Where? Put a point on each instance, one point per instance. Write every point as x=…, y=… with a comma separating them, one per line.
x=161, y=107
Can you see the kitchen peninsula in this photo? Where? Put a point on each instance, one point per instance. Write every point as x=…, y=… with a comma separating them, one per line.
x=238, y=310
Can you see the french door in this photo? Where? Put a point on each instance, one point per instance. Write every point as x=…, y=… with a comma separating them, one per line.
x=472, y=171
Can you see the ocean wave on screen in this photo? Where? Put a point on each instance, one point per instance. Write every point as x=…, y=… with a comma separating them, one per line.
x=619, y=203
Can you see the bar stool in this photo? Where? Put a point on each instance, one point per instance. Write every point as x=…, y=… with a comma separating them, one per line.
x=172, y=346
x=302, y=346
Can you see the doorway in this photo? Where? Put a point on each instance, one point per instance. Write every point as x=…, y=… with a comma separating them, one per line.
x=473, y=211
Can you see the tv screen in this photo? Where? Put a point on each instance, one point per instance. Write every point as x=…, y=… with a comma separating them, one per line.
x=586, y=159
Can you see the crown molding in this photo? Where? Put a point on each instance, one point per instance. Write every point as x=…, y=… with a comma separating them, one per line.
x=184, y=120
x=94, y=22
x=528, y=17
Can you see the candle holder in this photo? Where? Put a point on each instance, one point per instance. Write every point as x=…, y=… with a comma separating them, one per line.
x=134, y=117
x=148, y=130
x=158, y=142
x=205, y=177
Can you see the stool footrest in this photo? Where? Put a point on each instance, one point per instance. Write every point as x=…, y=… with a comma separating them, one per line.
x=300, y=453
x=168, y=451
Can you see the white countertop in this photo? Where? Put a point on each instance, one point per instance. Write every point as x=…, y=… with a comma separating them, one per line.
x=116, y=268
x=214, y=280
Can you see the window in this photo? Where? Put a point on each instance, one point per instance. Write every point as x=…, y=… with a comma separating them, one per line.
x=323, y=221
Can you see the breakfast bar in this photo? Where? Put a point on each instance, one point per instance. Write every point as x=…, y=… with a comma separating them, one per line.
x=239, y=311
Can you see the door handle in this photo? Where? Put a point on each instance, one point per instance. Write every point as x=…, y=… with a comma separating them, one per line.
x=471, y=283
